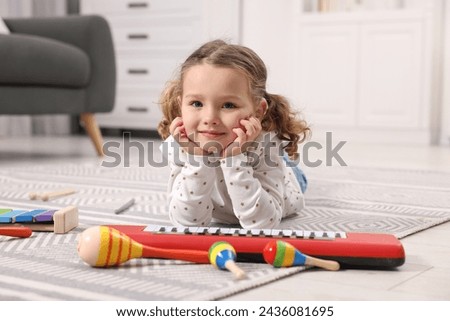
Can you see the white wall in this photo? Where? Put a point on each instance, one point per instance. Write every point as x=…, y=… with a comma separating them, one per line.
x=445, y=115
x=267, y=28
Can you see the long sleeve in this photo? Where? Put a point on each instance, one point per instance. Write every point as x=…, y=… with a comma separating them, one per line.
x=190, y=184
x=256, y=193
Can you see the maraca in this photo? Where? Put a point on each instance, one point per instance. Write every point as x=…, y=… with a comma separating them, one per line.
x=103, y=246
x=223, y=256
x=282, y=254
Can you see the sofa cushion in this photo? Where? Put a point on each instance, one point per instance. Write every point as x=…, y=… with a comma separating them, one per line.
x=36, y=61
x=3, y=28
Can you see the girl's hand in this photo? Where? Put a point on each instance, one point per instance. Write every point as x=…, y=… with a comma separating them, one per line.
x=246, y=134
x=178, y=132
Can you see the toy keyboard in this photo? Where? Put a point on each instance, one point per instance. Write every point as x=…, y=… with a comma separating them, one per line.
x=350, y=249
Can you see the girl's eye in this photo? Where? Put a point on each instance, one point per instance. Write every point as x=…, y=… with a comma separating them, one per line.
x=229, y=105
x=196, y=104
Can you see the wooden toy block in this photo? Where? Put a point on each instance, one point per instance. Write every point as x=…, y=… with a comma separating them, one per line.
x=65, y=219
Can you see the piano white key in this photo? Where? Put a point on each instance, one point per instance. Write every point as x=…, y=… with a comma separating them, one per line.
x=151, y=228
x=287, y=233
x=255, y=232
x=341, y=235
x=192, y=230
x=243, y=232
x=182, y=230
x=202, y=230
x=213, y=230
x=322, y=235
x=161, y=229
x=266, y=232
x=171, y=229
x=307, y=234
x=225, y=231
x=298, y=234
x=234, y=231
x=315, y=234
x=276, y=233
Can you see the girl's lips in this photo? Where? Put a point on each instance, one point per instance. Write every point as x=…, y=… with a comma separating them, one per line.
x=211, y=134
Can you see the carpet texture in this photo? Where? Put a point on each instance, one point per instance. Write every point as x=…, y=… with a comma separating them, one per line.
x=46, y=266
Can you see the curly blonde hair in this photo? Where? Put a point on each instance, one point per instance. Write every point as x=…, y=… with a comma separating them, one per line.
x=279, y=116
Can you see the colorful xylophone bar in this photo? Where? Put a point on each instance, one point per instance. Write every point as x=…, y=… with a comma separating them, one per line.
x=57, y=221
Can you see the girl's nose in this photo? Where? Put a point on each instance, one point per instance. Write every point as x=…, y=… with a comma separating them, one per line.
x=210, y=116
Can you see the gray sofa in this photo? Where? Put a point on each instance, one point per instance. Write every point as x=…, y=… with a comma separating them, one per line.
x=63, y=65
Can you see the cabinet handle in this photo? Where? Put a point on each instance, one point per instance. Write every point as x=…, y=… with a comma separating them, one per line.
x=137, y=109
x=138, y=71
x=133, y=5
x=138, y=36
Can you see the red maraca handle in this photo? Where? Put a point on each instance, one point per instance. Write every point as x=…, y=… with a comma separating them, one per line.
x=16, y=231
x=175, y=254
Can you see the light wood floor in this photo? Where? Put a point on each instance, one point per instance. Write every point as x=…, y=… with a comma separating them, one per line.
x=424, y=276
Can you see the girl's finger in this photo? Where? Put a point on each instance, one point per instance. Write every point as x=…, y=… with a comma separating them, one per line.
x=241, y=135
x=175, y=123
x=250, y=128
x=255, y=121
x=256, y=127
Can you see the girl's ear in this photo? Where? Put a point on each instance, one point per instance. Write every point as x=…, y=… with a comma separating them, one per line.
x=261, y=109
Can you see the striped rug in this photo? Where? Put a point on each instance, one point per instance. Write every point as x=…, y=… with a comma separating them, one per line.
x=46, y=266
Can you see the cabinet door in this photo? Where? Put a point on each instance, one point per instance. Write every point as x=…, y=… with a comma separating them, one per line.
x=327, y=74
x=391, y=83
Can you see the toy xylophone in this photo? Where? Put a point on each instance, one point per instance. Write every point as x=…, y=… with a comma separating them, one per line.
x=57, y=221
x=351, y=249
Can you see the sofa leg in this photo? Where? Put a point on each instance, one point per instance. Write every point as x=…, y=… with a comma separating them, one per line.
x=92, y=129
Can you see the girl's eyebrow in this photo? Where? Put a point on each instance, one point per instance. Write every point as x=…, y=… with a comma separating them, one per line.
x=220, y=97
x=193, y=96
x=231, y=96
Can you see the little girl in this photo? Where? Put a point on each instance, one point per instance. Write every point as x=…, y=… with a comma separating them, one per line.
x=231, y=145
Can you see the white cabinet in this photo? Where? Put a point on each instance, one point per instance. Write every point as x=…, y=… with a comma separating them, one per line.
x=365, y=75
x=152, y=38
x=391, y=74
x=328, y=74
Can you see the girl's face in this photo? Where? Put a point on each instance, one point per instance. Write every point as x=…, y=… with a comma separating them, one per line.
x=213, y=102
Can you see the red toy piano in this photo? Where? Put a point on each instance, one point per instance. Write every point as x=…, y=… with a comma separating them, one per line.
x=350, y=249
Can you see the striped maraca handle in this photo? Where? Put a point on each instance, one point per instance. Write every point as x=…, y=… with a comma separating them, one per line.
x=103, y=246
x=283, y=254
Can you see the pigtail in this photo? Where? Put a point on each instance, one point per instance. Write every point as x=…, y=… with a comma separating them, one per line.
x=170, y=107
x=287, y=124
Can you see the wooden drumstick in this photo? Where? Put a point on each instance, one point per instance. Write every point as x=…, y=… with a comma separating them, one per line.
x=103, y=246
x=64, y=192
x=16, y=231
x=33, y=195
x=283, y=254
x=223, y=256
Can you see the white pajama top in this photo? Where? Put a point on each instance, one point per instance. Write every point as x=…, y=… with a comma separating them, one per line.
x=254, y=189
